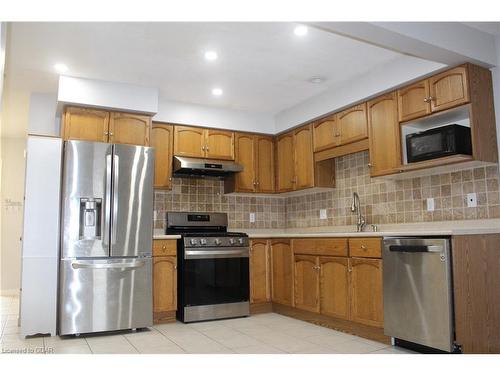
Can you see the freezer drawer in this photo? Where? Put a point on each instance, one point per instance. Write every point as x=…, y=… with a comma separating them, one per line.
x=105, y=295
x=417, y=291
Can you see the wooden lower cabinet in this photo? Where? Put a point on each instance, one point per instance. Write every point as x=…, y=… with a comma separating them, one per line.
x=306, y=280
x=334, y=287
x=282, y=272
x=476, y=279
x=164, y=282
x=366, y=291
x=260, y=285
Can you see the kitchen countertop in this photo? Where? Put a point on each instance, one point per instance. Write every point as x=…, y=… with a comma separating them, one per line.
x=444, y=228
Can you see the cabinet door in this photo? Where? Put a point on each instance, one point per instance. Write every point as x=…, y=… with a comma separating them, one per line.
x=385, y=139
x=282, y=272
x=449, y=89
x=265, y=164
x=260, y=290
x=85, y=124
x=366, y=291
x=352, y=124
x=129, y=129
x=334, y=287
x=162, y=141
x=306, y=282
x=164, y=284
x=303, y=157
x=413, y=101
x=245, y=155
x=189, y=141
x=325, y=134
x=285, y=163
x=219, y=144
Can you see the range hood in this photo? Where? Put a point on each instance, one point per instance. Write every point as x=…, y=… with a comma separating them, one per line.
x=184, y=166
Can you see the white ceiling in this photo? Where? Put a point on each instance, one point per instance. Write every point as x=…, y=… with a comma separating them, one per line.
x=262, y=67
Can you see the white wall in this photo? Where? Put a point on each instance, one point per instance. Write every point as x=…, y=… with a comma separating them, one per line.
x=369, y=85
x=192, y=114
x=12, y=213
x=42, y=115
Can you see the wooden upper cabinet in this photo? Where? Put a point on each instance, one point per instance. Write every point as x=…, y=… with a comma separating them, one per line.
x=303, y=157
x=413, y=101
x=189, y=141
x=325, y=134
x=449, y=89
x=264, y=146
x=131, y=129
x=245, y=155
x=219, y=144
x=306, y=278
x=385, y=138
x=260, y=286
x=85, y=124
x=352, y=124
x=284, y=162
x=366, y=291
x=164, y=284
x=162, y=141
x=282, y=272
x=334, y=287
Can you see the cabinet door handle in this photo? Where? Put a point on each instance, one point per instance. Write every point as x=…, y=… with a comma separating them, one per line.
x=203, y=148
x=370, y=165
x=164, y=247
x=363, y=247
x=431, y=98
x=206, y=148
x=106, y=133
x=426, y=100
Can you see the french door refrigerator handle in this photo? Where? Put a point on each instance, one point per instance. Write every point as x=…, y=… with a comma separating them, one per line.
x=107, y=202
x=116, y=175
x=130, y=265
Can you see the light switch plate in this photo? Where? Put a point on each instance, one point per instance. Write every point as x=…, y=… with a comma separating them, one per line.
x=322, y=214
x=430, y=204
x=252, y=217
x=471, y=200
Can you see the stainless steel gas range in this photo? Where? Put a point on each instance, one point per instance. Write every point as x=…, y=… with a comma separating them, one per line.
x=213, y=270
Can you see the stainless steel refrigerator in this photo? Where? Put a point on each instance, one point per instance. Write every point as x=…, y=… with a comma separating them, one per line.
x=107, y=231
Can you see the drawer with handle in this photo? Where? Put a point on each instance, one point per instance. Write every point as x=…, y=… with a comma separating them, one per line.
x=164, y=248
x=367, y=247
x=320, y=246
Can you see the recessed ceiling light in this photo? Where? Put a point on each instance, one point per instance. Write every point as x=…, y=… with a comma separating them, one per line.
x=60, y=68
x=317, y=79
x=300, y=30
x=217, y=91
x=211, y=55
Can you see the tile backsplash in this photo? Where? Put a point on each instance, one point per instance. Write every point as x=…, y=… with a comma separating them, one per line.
x=383, y=201
x=207, y=195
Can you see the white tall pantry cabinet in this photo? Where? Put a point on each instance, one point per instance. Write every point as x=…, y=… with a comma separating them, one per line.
x=40, y=242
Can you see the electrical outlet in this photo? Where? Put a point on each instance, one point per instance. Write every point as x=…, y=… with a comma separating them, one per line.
x=322, y=214
x=471, y=200
x=430, y=204
x=252, y=217
x=155, y=215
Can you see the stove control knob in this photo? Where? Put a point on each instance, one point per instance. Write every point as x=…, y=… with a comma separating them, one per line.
x=203, y=241
x=240, y=241
x=217, y=241
x=231, y=241
x=193, y=241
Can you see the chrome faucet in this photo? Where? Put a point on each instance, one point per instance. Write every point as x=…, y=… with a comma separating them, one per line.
x=356, y=207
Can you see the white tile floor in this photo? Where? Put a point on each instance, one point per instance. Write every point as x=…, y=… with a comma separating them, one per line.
x=258, y=334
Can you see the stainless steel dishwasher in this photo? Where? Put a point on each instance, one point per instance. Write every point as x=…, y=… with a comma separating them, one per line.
x=418, y=300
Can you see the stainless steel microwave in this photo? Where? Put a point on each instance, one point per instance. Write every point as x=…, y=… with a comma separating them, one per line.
x=438, y=142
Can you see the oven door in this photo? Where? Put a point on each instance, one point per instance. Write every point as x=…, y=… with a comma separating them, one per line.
x=213, y=276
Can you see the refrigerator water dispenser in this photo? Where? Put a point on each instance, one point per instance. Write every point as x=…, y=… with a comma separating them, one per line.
x=90, y=218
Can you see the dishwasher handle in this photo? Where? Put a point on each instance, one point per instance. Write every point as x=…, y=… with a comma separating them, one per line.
x=416, y=248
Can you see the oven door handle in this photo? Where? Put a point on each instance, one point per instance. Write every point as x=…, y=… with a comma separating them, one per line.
x=212, y=254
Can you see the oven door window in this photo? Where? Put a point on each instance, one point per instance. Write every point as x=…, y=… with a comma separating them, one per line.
x=214, y=281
